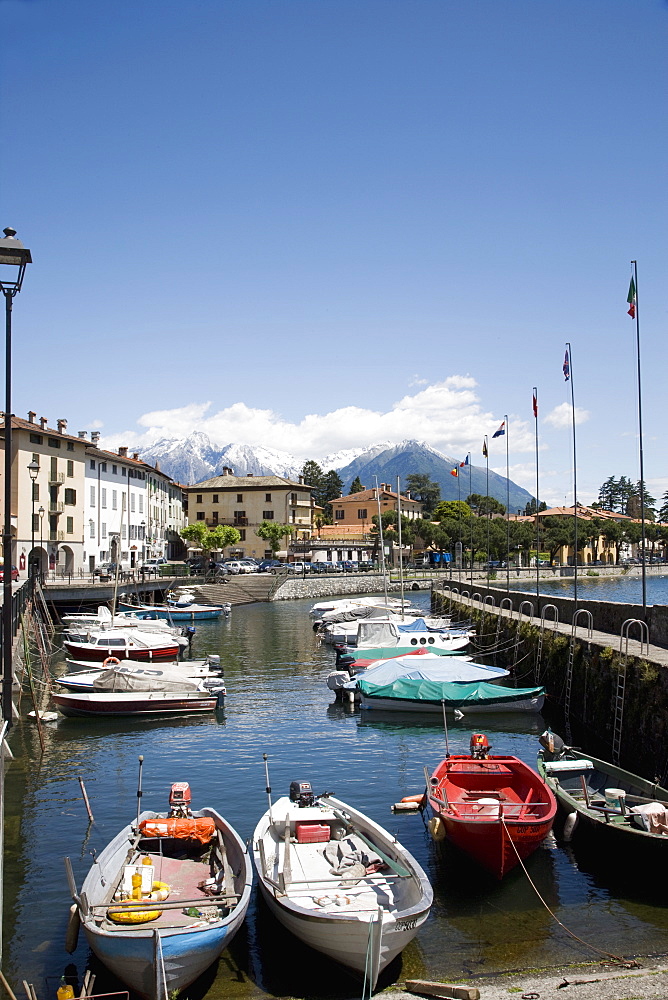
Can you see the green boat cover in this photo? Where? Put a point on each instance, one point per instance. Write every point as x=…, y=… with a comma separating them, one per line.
x=454, y=693
x=389, y=652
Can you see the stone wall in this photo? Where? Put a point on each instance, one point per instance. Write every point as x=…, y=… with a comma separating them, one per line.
x=329, y=586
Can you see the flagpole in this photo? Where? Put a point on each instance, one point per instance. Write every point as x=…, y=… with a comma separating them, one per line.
x=507, y=508
x=471, y=519
x=401, y=550
x=487, y=492
x=459, y=510
x=382, y=541
x=640, y=444
x=535, y=414
x=575, y=483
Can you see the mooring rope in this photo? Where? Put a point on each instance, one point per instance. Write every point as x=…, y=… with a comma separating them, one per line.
x=615, y=958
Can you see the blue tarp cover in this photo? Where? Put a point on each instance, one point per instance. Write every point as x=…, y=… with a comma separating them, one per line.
x=428, y=668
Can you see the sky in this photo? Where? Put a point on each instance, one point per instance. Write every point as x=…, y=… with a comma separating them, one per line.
x=320, y=224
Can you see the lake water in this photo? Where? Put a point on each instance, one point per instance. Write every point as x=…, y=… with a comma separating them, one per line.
x=278, y=704
x=623, y=589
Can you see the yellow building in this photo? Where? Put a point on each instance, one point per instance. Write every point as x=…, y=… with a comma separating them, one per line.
x=358, y=509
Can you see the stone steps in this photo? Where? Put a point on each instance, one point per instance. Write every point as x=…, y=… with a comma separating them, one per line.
x=238, y=589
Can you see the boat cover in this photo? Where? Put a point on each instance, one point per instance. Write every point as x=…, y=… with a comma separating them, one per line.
x=377, y=633
x=391, y=652
x=153, y=678
x=455, y=694
x=429, y=668
x=200, y=828
x=422, y=625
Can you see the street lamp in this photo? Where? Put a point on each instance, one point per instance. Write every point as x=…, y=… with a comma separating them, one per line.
x=15, y=256
x=41, y=540
x=33, y=471
x=143, y=540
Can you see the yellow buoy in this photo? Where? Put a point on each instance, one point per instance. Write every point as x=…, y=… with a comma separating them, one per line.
x=436, y=828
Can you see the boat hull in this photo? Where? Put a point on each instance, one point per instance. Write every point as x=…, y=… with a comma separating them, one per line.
x=82, y=704
x=470, y=708
x=497, y=810
x=143, y=654
x=169, y=613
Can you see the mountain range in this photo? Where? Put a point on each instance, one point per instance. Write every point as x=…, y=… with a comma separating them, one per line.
x=195, y=458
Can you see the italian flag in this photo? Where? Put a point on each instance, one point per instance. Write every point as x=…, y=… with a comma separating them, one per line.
x=631, y=299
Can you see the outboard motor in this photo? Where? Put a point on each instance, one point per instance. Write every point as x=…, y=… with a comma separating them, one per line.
x=479, y=746
x=552, y=744
x=213, y=660
x=302, y=793
x=180, y=799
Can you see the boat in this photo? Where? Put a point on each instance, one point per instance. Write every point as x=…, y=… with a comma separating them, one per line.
x=430, y=685
x=371, y=633
x=102, y=618
x=182, y=608
x=189, y=670
x=418, y=665
x=496, y=809
x=117, y=692
x=618, y=808
x=195, y=877
x=338, y=881
x=127, y=643
x=347, y=603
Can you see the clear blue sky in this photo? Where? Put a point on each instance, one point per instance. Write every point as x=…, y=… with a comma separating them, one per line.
x=308, y=206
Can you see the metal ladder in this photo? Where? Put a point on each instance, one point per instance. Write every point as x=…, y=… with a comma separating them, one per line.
x=569, y=668
x=621, y=679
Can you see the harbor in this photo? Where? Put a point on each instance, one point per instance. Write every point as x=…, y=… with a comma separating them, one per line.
x=278, y=704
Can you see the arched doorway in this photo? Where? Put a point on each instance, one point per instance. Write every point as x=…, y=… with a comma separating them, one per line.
x=66, y=567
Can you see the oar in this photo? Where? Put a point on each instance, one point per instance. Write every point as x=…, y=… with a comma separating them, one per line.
x=394, y=865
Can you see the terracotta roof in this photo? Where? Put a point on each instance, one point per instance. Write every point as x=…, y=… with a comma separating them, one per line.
x=366, y=496
x=247, y=482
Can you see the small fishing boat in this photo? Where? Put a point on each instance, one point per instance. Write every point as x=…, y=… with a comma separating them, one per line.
x=102, y=618
x=183, y=608
x=496, y=809
x=183, y=670
x=618, y=808
x=117, y=692
x=338, y=881
x=126, y=643
x=192, y=878
x=373, y=632
x=419, y=665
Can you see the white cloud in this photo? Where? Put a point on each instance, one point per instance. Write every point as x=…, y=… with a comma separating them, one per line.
x=446, y=415
x=562, y=416
x=416, y=380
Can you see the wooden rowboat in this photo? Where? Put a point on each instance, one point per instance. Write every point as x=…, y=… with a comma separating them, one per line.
x=496, y=809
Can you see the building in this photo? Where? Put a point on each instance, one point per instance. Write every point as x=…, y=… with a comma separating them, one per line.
x=245, y=501
x=50, y=509
x=358, y=509
x=598, y=549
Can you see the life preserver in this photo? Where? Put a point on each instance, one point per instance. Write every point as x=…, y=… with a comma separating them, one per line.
x=414, y=798
x=111, y=661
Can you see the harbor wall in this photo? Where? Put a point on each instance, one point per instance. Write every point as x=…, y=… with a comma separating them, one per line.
x=330, y=586
x=541, y=655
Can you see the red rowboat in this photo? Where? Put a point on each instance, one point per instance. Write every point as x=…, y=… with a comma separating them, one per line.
x=496, y=809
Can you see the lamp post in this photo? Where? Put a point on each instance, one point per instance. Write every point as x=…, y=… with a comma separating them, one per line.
x=15, y=256
x=41, y=539
x=33, y=471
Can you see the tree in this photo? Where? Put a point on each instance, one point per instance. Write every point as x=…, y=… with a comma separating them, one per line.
x=455, y=509
x=356, y=486
x=274, y=533
x=530, y=508
x=424, y=490
x=326, y=486
x=663, y=512
x=332, y=486
x=484, y=505
x=208, y=539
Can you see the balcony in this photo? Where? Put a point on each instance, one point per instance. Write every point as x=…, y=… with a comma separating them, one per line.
x=56, y=507
x=56, y=478
x=56, y=536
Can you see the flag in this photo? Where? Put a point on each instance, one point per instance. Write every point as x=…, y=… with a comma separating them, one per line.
x=484, y=448
x=454, y=472
x=465, y=462
x=631, y=299
x=567, y=366
x=535, y=403
x=501, y=430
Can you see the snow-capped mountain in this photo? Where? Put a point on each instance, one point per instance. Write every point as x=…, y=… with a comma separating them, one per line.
x=195, y=458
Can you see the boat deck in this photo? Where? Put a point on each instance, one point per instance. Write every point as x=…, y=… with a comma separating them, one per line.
x=311, y=883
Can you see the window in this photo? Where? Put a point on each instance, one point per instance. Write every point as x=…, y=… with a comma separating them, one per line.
x=70, y=525
x=70, y=467
x=293, y=499
x=35, y=523
x=215, y=517
x=200, y=515
x=35, y=458
x=242, y=535
x=36, y=439
x=123, y=471
x=35, y=491
x=339, y=514
x=114, y=470
x=103, y=466
x=267, y=498
x=103, y=497
x=199, y=498
x=214, y=498
x=71, y=497
x=92, y=496
x=104, y=530
x=92, y=463
x=70, y=445
x=267, y=515
x=114, y=499
x=132, y=502
x=240, y=498
x=123, y=531
x=53, y=442
x=141, y=504
x=361, y=513
x=92, y=528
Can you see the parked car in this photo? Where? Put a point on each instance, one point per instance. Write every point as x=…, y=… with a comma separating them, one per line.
x=298, y=568
x=250, y=566
x=153, y=565
x=15, y=573
x=366, y=566
x=346, y=566
x=498, y=563
x=266, y=565
x=234, y=566
x=105, y=569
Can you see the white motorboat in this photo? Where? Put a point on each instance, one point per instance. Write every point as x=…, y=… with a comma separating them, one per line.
x=201, y=671
x=338, y=881
x=146, y=645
